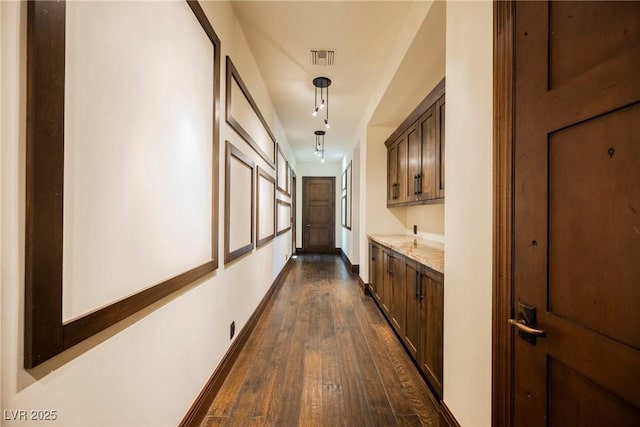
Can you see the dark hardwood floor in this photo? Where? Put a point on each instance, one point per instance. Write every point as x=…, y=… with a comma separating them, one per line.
x=323, y=355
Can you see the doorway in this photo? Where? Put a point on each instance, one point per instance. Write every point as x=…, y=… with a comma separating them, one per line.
x=294, y=226
x=567, y=228
x=318, y=214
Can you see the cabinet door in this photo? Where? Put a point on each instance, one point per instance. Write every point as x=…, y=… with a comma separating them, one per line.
x=374, y=254
x=398, y=294
x=412, y=292
x=392, y=174
x=426, y=181
x=385, y=292
x=440, y=143
x=432, y=308
x=403, y=154
x=414, y=169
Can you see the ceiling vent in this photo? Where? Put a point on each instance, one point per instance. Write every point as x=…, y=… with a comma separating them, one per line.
x=322, y=57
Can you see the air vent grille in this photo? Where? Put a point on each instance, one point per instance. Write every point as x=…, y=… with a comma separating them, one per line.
x=322, y=56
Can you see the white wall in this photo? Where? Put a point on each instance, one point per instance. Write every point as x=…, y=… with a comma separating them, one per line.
x=468, y=212
x=318, y=168
x=148, y=369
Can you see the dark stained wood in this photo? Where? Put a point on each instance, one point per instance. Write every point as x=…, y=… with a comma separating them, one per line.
x=318, y=214
x=576, y=197
x=398, y=294
x=45, y=335
x=440, y=147
x=501, y=397
x=201, y=406
x=233, y=75
x=261, y=173
x=424, y=105
x=412, y=291
x=234, y=154
x=376, y=270
x=447, y=418
x=44, y=181
x=426, y=153
x=432, y=326
x=288, y=227
x=392, y=173
x=294, y=220
x=92, y=323
x=324, y=356
x=415, y=159
x=414, y=163
x=283, y=187
x=386, y=296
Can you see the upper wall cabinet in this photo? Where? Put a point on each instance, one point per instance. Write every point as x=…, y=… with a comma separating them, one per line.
x=415, y=154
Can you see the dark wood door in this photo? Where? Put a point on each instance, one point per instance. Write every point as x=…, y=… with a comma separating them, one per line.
x=392, y=174
x=398, y=294
x=430, y=352
x=414, y=164
x=294, y=222
x=427, y=174
x=412, y=288
x=577, y=214
x=374, y=255
x=387, y=282
x=318, y=214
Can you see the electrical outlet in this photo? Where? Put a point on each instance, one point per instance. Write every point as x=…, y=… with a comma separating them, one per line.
x=415, y=229
x=232, y=329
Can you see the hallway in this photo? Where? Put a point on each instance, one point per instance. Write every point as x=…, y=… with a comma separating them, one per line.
x=322, y=354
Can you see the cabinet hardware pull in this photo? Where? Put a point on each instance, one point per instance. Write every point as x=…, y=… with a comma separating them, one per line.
x=417, y=284
x=421, y=290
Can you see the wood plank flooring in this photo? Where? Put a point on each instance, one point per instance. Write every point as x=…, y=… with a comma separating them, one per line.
x=323, y=355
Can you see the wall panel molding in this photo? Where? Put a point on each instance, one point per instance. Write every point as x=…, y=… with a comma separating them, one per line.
x=268, y=154
x=46, y=335
x=265, y=199
x=235, y=213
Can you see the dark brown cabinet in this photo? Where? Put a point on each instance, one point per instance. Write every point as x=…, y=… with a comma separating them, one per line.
x=397, y=171
x=412, y=335
x=415, y=154
x=397, y=294
x=439, y=146
x=376, y=271
x=430, y=352
x=411, y=296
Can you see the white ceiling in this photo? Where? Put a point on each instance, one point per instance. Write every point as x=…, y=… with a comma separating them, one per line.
x=364, y=35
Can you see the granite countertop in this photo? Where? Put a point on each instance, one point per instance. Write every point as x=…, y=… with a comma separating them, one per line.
x=426, y=252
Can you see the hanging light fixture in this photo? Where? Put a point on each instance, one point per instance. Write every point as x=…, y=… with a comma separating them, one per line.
x=323, y=84
x=319, y=145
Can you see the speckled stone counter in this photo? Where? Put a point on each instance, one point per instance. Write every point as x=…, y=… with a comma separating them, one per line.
x=426, y=252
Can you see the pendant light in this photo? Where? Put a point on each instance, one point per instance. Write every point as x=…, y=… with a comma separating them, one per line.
x=322, y=103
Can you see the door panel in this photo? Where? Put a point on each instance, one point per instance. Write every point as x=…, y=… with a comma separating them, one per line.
x=427, y=179
x=576, y=216
x=318, y=214
x=602, y=156
x=412, y=328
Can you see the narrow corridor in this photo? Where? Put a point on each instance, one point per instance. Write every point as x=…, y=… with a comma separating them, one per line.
x=322, y=354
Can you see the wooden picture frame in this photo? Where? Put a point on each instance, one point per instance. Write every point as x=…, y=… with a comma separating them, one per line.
x=231, y=251
x=282, y=172
x=268, y=198
x=45, y=333
x=233, y=77
x=346, y=208
x=283, y=210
